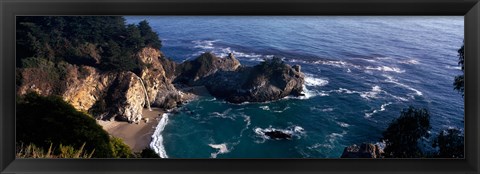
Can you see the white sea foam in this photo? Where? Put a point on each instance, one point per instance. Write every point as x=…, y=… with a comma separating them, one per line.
x=310, y=80
x=410, y=62
x=266, y=108
x=371, y=94
x=222, y=148
x=342, y=124
x=204, y=44
x=224, y=114
x=295, y=131
x=385, y=69
x=327, y=110
x=334, y=136
x=283, y=110
x=366, y=94
x=157, y=138
x=390, y=79
x=382, y=108
x=453, y=67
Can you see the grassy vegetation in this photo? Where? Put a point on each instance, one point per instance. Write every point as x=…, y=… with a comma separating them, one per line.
x=32, y=151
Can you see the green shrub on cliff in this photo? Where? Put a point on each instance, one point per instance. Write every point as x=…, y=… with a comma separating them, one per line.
x=120, y=149
x=50, y=120
x=401, y=136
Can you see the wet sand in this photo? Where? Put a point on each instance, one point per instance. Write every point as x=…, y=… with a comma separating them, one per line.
x=136, y=136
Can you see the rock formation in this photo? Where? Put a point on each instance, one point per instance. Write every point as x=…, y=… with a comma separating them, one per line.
x=271, y=80
x=278, y=135
x=109, y=95
x=121, y=95
x=362, y=151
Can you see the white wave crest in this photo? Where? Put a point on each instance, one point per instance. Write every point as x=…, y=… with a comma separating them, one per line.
x=385, y=69
x=157, y=138
x=342, y=124
x=312, y=81
x=204, y=44
x=453, y=67
x=410, y=62
x=382, y=108
x=295, y=131
x=390, y=79
x=222, y=148
x=266, y=108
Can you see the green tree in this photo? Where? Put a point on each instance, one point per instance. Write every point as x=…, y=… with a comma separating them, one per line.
x=150, y=37
x=459, y=83
x=450, y=143
x=401, y=136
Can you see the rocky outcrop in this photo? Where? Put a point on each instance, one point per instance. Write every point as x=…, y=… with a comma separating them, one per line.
x=271, y=80
x=362, y=151
x=207, y=64
x=126, y=98
x=107, y=95
x=278, y=135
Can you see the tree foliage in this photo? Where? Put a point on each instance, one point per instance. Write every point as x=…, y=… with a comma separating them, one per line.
x=450, y=143
x=62, y=38
x=401, y=136
x=459, y=83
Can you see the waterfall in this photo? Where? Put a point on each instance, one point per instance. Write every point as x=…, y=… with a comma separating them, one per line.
x=146, y=94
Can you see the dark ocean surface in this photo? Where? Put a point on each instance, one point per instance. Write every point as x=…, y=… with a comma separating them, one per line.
x=360, y=73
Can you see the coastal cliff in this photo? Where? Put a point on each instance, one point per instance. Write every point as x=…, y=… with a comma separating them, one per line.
x=108, y=95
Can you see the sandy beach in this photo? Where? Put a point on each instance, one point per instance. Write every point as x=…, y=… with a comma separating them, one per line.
x=137, y=136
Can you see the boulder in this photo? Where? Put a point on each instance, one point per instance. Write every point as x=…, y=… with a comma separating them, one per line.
x=362, y=151
x=271, y=80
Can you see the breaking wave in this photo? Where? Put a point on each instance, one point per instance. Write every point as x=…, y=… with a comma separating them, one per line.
x=157, y=138
x=295, y=131
x=222, y=148
x=382, y=108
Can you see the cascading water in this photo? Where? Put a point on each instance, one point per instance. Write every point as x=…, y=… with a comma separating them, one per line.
x=146, y=94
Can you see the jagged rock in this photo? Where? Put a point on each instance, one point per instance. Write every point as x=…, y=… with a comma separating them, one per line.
x=278, y=135
x=271, y=80
x=189, y=72
x=127, y=98
x=362, y=151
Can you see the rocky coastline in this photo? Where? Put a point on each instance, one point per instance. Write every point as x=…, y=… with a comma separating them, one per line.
x=123, y=96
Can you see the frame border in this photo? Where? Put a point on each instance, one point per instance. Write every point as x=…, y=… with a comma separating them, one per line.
x=10, y=8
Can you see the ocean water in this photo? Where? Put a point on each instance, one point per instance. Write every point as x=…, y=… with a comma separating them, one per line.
x=360, y=73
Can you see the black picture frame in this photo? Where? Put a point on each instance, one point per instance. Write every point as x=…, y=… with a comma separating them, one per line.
x=10, y=8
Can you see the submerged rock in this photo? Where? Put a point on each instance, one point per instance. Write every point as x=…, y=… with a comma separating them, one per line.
x=362, y=151
x=278, y=135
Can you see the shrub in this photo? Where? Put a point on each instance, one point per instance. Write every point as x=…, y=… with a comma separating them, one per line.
x=450, y=143
x=32, y=151
x=120, y=149
x=46, y=120
x=401, y=136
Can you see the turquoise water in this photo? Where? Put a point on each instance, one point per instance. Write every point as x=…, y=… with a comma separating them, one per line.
x=361, y=71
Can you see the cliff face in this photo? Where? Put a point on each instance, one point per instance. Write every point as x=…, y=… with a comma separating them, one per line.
x=109, y=95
